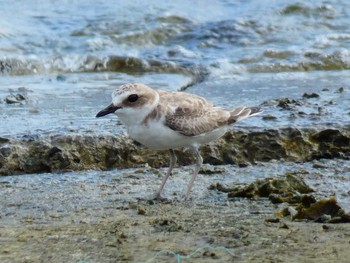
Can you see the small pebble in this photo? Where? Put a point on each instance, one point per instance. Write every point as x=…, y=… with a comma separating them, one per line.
x=272, y=220
x=325, y=227
x=269, y=117
x=61, y=78
x=311, y=95
x=20, y=97
x=141, y=210
x=284, y=226
x=11, y=99
x=340, y=90
x=319, y=165
x=34, y=111
x=4, y=140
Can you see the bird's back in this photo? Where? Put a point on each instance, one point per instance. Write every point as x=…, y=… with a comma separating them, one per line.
x=189, y=114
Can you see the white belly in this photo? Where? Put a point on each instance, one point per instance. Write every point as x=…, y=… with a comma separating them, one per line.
x=156, y=135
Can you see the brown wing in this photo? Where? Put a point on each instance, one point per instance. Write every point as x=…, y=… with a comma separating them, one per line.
x=191, y=115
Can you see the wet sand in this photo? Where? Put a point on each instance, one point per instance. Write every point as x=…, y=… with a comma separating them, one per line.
x=217, y=232
x=106, y=217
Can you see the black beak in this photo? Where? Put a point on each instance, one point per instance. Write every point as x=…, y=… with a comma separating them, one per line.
x=109, y=109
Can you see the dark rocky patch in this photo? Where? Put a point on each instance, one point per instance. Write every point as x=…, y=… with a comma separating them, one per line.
x=322, y=211
x=291, y=189
x=35, y=154
x=4, y=140
x=287, y=104
x=278, y=190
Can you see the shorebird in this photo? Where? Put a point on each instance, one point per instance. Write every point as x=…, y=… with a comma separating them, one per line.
x=165, y=120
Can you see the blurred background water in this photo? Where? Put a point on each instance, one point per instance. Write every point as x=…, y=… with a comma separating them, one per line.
x=67, y=56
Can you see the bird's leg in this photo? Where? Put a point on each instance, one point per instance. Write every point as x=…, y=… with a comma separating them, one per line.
x=199, y=162
x=165, y=178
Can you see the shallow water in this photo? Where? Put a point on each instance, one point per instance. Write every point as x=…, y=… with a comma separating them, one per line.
x=70, y=56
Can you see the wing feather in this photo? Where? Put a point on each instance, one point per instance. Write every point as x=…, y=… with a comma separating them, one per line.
x=191, y=115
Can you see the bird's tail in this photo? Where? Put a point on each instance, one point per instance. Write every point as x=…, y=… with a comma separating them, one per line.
x=243, y=112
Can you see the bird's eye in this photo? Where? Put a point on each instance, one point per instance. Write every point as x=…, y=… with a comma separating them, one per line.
x=133, y=98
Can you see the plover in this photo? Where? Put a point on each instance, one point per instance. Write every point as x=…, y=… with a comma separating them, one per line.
x=165, y=120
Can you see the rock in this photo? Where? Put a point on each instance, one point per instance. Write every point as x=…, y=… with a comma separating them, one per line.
x=319, y=165
x=331, y=143
x=272, y=220
x=23, y=90
x=322, y=211
x=278, y=189
x=212, y=155
x=220, y=187
x=34, y=111
x=20, y=97
x=340, y=90
x=292, y=189
x=207, y=169
x=287, y=103
x=11, y=99
x=4, y=140
x=310, y=95
x=325, y=227
x=269, y=117
x=35, y=154
x=284, y=226
x=263, y=146
x=325, y=210
x=141, y=210
x=165, y=224
x=61, y=77
x=291, y=198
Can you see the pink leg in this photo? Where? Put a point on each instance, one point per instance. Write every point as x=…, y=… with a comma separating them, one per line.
x=165, y=178
x=199, y=162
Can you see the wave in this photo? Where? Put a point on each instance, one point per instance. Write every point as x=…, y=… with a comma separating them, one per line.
x=147, y=32
x=270, y=62
x=321, y=10
x=78, y=64
x=309, y=61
